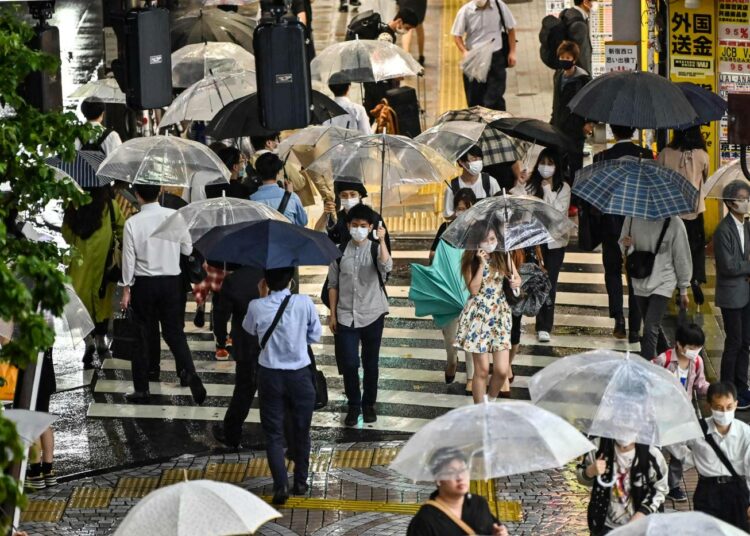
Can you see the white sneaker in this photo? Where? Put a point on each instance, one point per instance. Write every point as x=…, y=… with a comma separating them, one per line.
x=542, y=336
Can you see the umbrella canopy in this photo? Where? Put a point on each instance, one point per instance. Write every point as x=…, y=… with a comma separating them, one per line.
x=82, y=169
x=636, y=99
x=363, y=61
x=439, y=289
x=537, y=132
x=452, y=138
x=200, y=217
x=721, y=178
x=497, y=147
x=241, y=118
x=707, y=104
x=310, y=142
x=29, y=424
x=517, y=222
x=682, y=523
x=268, y=244
x=203, y=100
x=213, y=25
x=192, y=63
x=197, y=507
x=163, y=161
x=635, y=187
x=619, y=396
x=498, y=440
x=105, y=89
x=75, y=321
x=535, y=289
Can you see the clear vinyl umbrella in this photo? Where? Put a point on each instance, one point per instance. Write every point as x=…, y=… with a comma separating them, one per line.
x=202, y=100
x=105, y=89
x=309, y=143
x=452, y=138
x=75, y=321
x=517, y=221
x=213, y=25
x=498, y=439
x=618, y=396
x=679, y=524
x=29, y=424
x=363, y=61
x=192, y=63
x=723, y=177
x=163, y=161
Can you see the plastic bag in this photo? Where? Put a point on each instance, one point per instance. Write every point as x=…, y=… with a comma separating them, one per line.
x=476, y=64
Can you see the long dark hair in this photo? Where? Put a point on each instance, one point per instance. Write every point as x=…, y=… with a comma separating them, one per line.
x=688, y=139
x=85, y=220
x=534, y=185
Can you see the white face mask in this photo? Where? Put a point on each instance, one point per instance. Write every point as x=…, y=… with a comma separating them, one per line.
x=742, y=206
x=348, y=204
x=546, y=171
x=623, y=444
x=488, y=246
x=474, y=167
x=722, y=418
x=359, y=233
x=401, y=30
x=480, y=3
x=692, y=353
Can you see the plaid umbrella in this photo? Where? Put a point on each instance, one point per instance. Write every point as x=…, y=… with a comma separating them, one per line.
x=632, y=187
x=497, y=147
x=82, y=169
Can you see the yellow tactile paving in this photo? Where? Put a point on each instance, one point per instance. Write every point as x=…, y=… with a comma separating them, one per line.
x=173, y=476
x=257, y=467
x=90, y=497
x=354, y=458
x=226, y=472
x=348, y=506
x=43, y=511
x=451, y=84
x=384, y=456
x=136, y=487
x=320, y=461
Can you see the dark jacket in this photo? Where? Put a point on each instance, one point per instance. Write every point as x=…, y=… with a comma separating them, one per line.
x=429, y=521
x=565, y=90
x=578, y=31
x=732, y=266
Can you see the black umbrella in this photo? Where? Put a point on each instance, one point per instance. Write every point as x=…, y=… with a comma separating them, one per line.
x=707, y=104
x=634, y=99
x=213, y=25
x=240, y=117
x=536, y=131
x=535, y=289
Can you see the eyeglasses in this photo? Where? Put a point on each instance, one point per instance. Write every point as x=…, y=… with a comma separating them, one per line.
x=454, y=474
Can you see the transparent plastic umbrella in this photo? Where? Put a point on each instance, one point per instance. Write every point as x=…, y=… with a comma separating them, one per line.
x=498, y=439
x=202, y=100
x=678, y=523
x=363, y=61
x=452, y=138
x=213, y=25
x=620, y=396
x=305, y=145
x=200, y=217
x=29, y=424
x=518, y=221
x=192, y=63
x=105, y=89
x=163, y=161
x=75, y=321
x=721, y=178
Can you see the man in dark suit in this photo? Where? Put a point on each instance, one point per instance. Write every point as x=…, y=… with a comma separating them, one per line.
x=611, y=253
x=732, y=254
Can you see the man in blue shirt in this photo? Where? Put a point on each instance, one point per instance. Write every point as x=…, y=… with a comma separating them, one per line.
x=285, y=376
x=288, y=203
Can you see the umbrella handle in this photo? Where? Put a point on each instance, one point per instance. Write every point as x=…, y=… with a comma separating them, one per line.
x=604, y=484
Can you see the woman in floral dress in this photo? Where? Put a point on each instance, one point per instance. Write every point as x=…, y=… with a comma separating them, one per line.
x=485, y=322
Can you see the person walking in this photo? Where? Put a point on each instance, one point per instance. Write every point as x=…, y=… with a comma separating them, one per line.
x=356, y=116
x=667, y=239
x=485, y=322
x=732, y=254
x=152, y=285
x=419, y=7
x=472, y=177
x=576, y=21
x=687, y=155
x=285, y=324
x=359, y=303
x=482, y=23
x=271, y=194
x=107, y=139
x=611, y=227
x=95, y=231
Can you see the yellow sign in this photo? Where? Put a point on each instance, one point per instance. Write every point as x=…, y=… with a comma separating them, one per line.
x=734, y=19
x=692, y=41
x=734, y=56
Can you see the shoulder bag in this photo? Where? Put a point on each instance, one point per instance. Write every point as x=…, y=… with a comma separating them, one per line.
x=113, y=264
x=503, y=32
x=640, y=264
x=450, y=515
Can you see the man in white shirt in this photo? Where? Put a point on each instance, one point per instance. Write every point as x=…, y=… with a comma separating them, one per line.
x=482, y=184
x=482, y=23
x=152, y=285
x=107, y=140
x=356, y=116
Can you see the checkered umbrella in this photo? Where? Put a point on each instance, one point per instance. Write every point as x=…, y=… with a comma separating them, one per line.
x=497, y=148
x=82, y=168
x=629, y=186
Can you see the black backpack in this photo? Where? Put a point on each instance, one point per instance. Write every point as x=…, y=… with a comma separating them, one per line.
x=374, y=251
x=96, y=145
x=366, y=25
x=455, y=187
x=554, y=31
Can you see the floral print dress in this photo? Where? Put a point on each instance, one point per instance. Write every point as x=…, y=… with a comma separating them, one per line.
x=485, y=322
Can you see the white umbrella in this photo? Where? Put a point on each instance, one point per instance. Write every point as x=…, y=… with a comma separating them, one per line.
x=363, y=61
x=452, y=138
x=726, y=174
x=75, y=321
x=498, y=439
x=619, y=396
x=310, y=142
x=29, y=424
x=191, y=63
x=105, y=89
x=679, y=524
x=197, y=507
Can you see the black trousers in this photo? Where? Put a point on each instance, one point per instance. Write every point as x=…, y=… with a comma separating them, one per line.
x=653, y=308
x=553, y=260
x=734, y=360
x=490, y=94
x=101, y=328
x=246, y=352
x=727, y=501
x=159, y=301
x=221, y=311
x=697, y=241
x=612, y=260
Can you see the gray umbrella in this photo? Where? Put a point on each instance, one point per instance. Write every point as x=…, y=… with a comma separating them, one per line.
x=535, y=288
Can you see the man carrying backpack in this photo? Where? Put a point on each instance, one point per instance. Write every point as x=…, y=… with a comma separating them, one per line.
x=108, y=140
x=268, y=166
x=359, y=303
x=482, y=184
x=571, y=25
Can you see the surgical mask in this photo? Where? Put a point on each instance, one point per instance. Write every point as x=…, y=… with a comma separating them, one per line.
x=359, y=233
x=474, y=167
x=691, y=353
x=742, y=206
x=722, y=418
x=546, y=171
x=401, y=31
x=488, y=247
x=480, y=3
x=348, y=204
x=565, y=64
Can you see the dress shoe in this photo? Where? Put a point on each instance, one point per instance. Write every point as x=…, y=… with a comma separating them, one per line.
x=503, y=394
x=280, y=496
x=352, y=416
x=468, y=388
x=200, y=318
x=420, y=60
x=697, y=293
x=368, y=414
x=634, y=337
x=138, y=397
x=217, y=430
x=450, y=377
x=300, y=488
x=196, y=386
x=619, y=331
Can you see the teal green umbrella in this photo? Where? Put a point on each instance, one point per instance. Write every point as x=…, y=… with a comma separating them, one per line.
x=439, y=289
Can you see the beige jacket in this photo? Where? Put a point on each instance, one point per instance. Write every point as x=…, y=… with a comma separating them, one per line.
x=693, y=165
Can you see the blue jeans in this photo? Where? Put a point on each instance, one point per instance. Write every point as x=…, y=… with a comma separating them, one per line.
x=347, y=356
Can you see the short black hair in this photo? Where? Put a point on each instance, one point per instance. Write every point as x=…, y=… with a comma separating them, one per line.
x=230, y=156
x=92, y=108
x=407, y=16
x=148, y=192
x=730, y=191
x=622, y=132
x=259, y=142
x=268, y=166
x=474, y=150
x=577, y=2
x=721, y=389
x=278, y=278
x=339, y=90
x=443, y=456
x=690, y=335
x=361, y=212
x=466, y=195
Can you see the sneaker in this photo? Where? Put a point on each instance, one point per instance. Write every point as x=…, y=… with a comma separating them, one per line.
x=352, y=416
x=677, y=495
x=222, y=354
x=200, y=317
x=50, y=479
x=543, y=336
x=229, y=345
x=35, y=482
x=619, y=331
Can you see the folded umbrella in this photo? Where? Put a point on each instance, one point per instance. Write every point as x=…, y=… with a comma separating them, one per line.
x=707, y=104
x=363, y=61
x=192, y=63
x=452, y=138
x=439, y=289
x=535, y=289
x=537, y=132
x=635, y=187
x=105, y=89
x=714, y=188
x=213, y=25
x=82, y=169
x=682, y=523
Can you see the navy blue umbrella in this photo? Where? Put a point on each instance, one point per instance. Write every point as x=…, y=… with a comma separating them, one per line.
x=707, y=104
x=268, y=244
x=82, y=168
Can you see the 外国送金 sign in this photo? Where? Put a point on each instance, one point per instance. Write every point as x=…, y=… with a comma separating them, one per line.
x=692, y=41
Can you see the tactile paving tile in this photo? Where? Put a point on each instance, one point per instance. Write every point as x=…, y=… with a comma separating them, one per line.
x=173, y=476
x=509, y=511
x=384, y=456
x=320, y=461
x=130, y=487
x=257, y=467
x=43, y=511
x=90, y=497
x=354, y=458
x=301, y=503
x=226, y=472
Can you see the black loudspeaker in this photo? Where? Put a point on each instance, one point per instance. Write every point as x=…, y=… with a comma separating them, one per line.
x=41, y=89
x=404, y=102
x=283, y=75
x=144, y=68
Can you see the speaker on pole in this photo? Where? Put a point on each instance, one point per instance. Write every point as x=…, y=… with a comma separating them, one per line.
x=43, y=90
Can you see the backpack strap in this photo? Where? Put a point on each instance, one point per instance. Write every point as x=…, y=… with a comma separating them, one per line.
x=661, y=236
x=486, y=185
x=284, y=201
x=375, y=251
x=667, y=357
x=454, y=186
x=276, y=319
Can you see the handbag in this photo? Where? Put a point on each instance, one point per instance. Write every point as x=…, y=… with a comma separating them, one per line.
x=127, y=335
x=113, y=264
x=503, y=33
x=640, y=264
